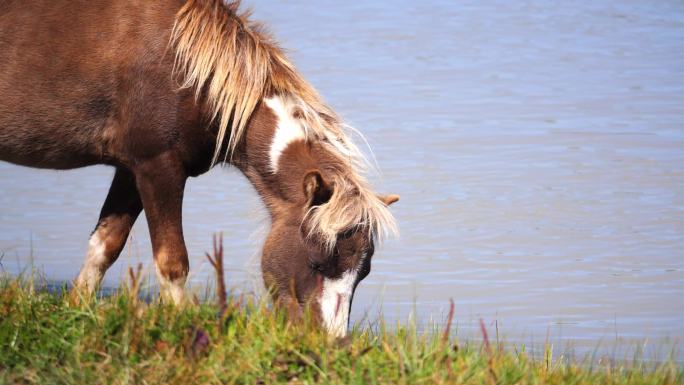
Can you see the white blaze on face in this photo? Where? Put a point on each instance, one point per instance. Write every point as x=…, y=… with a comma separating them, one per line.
x=336, y=299
x=288, y=130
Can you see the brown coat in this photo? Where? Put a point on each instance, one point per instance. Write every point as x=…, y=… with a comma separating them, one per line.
x=162, y=90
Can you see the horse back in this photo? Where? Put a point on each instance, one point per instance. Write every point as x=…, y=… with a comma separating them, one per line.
x=78, y=77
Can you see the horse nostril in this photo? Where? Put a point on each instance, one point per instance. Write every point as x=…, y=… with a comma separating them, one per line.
x=337, y=306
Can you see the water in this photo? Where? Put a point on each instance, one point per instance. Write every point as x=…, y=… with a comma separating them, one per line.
x=538, y=149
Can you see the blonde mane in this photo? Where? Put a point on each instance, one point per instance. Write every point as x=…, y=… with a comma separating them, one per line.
x=233, y=64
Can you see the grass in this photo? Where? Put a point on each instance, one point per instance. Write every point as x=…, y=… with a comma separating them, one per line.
x=47, y=337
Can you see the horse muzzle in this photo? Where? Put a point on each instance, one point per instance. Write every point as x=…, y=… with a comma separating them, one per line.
x=335, y=303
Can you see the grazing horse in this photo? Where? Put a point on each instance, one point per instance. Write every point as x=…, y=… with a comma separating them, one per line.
x=164, y=90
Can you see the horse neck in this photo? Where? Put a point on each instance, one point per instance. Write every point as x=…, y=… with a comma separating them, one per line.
x=274, y=155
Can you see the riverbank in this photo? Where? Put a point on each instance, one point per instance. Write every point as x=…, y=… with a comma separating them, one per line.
x=52, y=337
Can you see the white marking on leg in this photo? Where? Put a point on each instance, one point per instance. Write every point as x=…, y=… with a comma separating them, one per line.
x=171, y=289
x=287, y=131
x=95, y=263
x=336, y=299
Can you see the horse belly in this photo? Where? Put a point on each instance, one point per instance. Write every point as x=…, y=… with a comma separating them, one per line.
x=42, y=149
x=38, y=130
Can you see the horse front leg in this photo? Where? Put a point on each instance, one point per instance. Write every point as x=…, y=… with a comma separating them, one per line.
x=119, y=211
x=161, y=183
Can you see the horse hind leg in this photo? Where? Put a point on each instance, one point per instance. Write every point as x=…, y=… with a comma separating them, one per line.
x=120, y=210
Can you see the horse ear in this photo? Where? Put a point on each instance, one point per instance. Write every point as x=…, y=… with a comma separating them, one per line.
x=388, y=199
x=316, y=190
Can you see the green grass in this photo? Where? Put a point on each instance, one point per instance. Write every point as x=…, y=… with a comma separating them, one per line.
x=46, y=338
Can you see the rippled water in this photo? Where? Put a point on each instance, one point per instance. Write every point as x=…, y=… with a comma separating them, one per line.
x=538, y=148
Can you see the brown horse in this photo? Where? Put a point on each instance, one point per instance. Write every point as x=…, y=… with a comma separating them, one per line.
x=164, y=90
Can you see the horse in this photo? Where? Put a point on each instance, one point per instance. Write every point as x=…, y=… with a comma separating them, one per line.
x=165, y=90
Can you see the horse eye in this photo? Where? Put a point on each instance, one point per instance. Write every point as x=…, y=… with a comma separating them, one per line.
x=315, y=266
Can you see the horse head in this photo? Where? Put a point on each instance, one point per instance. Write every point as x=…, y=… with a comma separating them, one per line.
x=304, y=271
